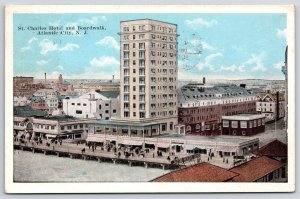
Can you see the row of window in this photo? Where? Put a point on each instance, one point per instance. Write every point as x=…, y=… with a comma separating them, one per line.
x=84, y=104
x=163, y=113
x=209, y=103
x=151, y=27
x=243, y=124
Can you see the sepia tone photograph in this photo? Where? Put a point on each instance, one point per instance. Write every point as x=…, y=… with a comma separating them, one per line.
x=149, y=96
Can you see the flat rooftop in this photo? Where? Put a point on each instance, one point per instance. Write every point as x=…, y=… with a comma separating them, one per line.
x=243, y=116
x=222, y=138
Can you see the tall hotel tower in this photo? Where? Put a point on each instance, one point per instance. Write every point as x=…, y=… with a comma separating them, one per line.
x=149, y=73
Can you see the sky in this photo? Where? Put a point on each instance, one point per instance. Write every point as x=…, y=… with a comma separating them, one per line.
x=232, y=46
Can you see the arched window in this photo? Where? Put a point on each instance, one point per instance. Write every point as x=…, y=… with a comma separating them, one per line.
x=198, y=127
x=188, y=129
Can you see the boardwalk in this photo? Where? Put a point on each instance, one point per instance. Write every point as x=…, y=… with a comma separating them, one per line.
x=76, y=151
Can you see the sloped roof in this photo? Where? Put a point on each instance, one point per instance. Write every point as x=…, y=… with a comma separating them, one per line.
x=203, y=172
x=187, y=93
x=255, y=169
x=109, y=94
x=273, y=149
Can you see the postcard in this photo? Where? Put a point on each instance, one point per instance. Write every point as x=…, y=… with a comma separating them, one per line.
x=149, y=98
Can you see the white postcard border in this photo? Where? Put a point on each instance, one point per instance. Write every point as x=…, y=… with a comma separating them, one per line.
x=12, y=187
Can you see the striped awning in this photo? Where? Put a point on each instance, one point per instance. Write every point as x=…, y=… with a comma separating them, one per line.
x=132, y=142
x=95, y=139
x=163, y=145
x=227, y=149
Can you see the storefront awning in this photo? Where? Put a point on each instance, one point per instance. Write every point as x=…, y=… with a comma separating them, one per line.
x=227, y=149
x=189, y=147
x=163, y=145
x=95, y=139
x=132, y=142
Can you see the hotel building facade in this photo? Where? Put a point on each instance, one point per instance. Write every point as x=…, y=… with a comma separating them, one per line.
x=148, y=73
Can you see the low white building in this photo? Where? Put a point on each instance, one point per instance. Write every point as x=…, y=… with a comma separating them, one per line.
x=99, y=105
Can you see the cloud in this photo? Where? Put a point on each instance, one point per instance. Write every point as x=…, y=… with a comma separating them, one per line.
x=29, y=43
x=256, y=62
x=207, y=63
x=200, y=22
x=42, y=62
x=54, y=23
x=203, y=44
x=93, y=20
x=279, y=65
x=49, y=46
x=60, y=67
x=281, y=33
x=233, y=68
x=69, y=47
x=104, y=61
x=110, y=42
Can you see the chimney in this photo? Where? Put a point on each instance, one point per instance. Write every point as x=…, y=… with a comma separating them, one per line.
x=45, y=77
x=243, y=85
x=203, y=80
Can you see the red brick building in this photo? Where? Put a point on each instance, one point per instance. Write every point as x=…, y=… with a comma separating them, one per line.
x=243, y=124
x=201, y=108
x=203, y=172
x=24, y=86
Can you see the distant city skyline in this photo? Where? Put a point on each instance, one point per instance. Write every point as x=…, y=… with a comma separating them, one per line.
x=252, y=49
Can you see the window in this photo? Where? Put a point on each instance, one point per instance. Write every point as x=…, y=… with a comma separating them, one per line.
x=84, y=104
x=225, y=123
x=106, y=111
x=106, y=104
x=78, y=111
x=62, y=128
x=100, y=106
x=114, y=110
x=255, y=122
x=198, y=127
x=171, y=125
x=142, y=114
x=234, y=124
x=243, y=124
x=259, y=122
x=164, y=127
x=188, y=129
x=126, y=46
x=250, y=124
x=134, y=114
x=107, y=118
x=78, y=104
x=52, y=127
x=73, y=104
